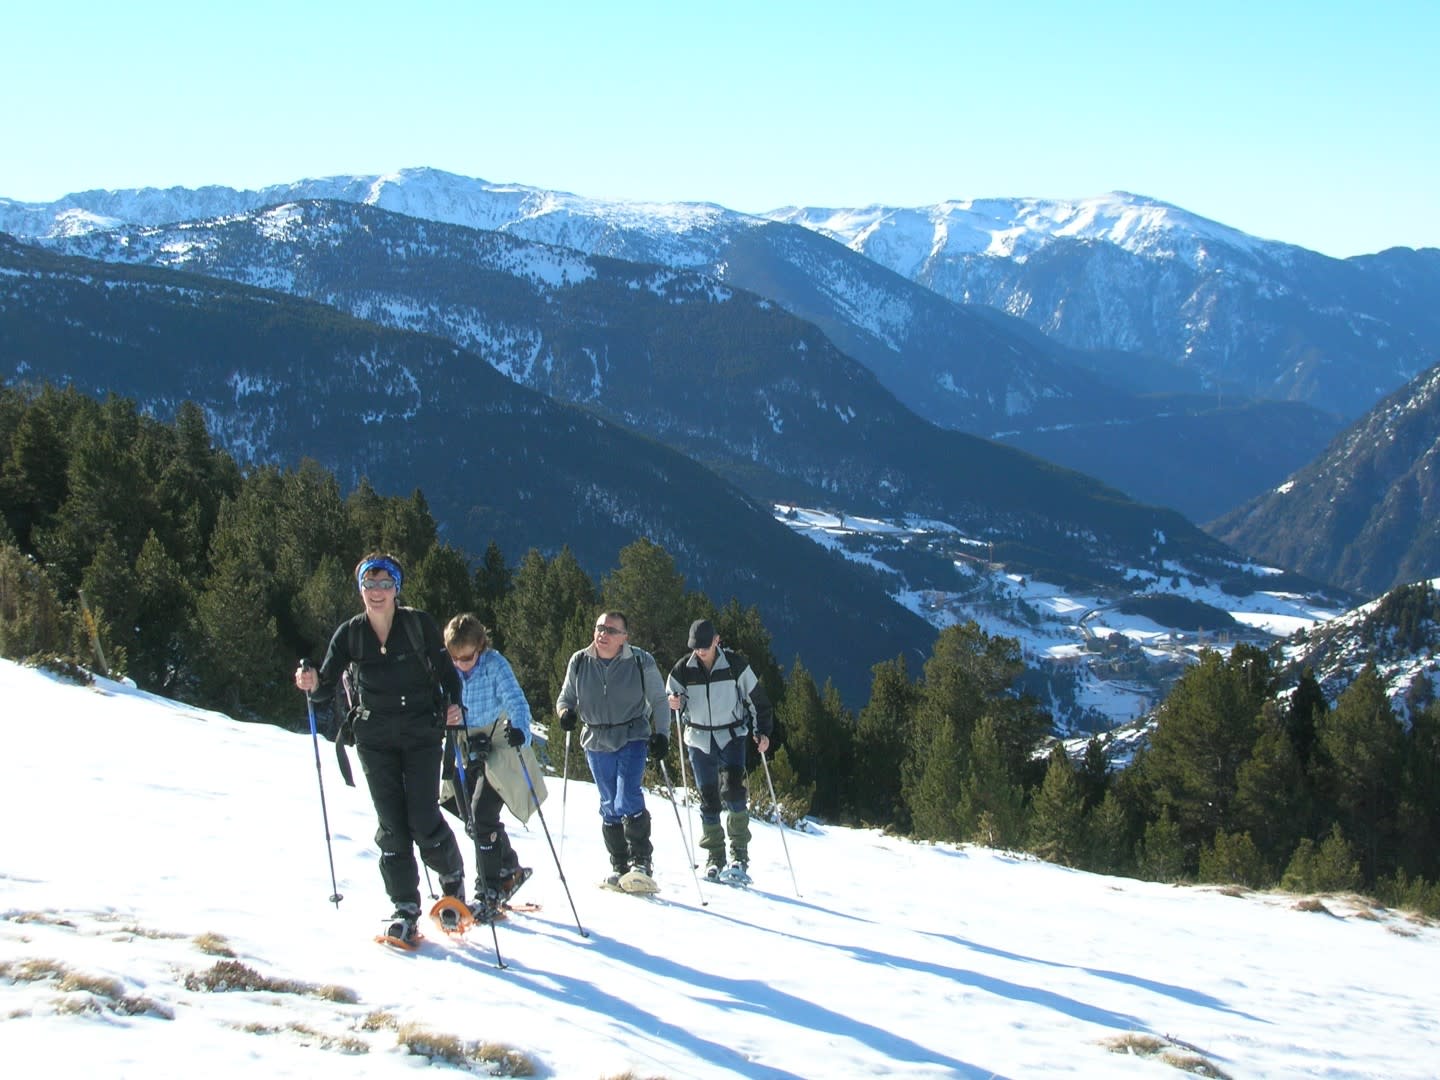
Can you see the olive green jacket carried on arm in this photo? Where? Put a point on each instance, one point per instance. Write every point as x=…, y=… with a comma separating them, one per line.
x=617, y=700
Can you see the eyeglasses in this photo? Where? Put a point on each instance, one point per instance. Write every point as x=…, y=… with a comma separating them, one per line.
x=466, y=660
x=371, y=584
x=614, y=631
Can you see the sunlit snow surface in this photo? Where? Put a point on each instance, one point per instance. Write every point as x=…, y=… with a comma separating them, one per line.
x=134, y=825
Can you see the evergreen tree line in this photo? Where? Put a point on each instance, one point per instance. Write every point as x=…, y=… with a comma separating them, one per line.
x=207, y=583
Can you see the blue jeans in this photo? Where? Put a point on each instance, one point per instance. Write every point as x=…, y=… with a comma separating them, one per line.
x=720, y=777
x=618, y=774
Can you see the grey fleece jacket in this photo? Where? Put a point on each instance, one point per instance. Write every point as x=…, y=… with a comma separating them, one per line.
x=616, y=700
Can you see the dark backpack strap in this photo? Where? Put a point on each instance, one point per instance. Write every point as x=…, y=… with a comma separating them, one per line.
x=411, y=622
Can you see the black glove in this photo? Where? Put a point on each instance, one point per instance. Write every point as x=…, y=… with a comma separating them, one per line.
x=479, y=743
x=658, y=745
x=567, y=720
x=514, y=736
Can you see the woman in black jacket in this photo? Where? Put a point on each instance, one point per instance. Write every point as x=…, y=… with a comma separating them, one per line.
x=407, y=693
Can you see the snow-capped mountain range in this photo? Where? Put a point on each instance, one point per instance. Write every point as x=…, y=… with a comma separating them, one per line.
x=1193, y=301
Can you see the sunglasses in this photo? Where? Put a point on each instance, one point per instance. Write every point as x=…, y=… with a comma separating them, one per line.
x=467, y=660
x=371, y=584
x=614, y=631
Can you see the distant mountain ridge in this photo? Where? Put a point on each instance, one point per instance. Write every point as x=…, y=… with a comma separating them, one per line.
x=1200, y=301
x=1365, y=514
x=962, y=366
x=1125, y=273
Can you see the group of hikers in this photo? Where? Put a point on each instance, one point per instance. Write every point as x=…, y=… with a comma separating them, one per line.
x=422, y=703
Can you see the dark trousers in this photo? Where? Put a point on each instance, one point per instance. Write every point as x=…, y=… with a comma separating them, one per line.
x=404, y=784
x=720, y=778
x=494, y=857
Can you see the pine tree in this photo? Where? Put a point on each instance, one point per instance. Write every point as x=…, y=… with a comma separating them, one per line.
x=969, y=675
x=491, y=584
x=743, y=630
x=33, y=475
x=1358, y=754
x=32, y=621
x=408, y=528
x=192, y=481
x=441, y=583
x=881, y=734
x=1419, y=814
x=1307, y=707
x=815, y=740
x=932, y=794
x=1273, y=801
x=109, y=588
x=651, y=592
x=1093, y=775
x=1233, y=858
x=326, y=599
x=1057, y=816
x=1206, y=730
x=1108, y=838
x=1331, y=867
x=992, y=808
x=546, y=617
x=365, y=511
x=241, y=666
x=1160, y=855
x=164, y=609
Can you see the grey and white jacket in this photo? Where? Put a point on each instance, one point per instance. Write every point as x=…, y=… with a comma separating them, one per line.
x=617, y=700
x=720, y=703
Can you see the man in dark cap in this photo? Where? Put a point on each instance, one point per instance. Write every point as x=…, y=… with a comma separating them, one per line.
x=720, y=701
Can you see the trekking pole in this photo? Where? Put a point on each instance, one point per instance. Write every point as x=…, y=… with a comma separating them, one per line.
x=564, y=791
x=335, y=896
x=463, y=799
x=690, y=853
x=685, y=787
x=780, y=821
x=558, y=868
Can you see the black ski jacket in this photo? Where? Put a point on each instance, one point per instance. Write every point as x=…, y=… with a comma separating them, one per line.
x=403, y=691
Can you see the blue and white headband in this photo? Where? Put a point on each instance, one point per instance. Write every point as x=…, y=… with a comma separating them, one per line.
x=380, y=562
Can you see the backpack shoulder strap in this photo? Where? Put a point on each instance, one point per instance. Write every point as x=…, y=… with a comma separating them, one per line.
x=736, y=661
x=411, y=624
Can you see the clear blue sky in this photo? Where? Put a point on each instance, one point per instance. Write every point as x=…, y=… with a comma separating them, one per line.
x=1315, y=122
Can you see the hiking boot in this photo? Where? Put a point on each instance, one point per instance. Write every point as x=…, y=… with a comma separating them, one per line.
x=486, y=908
x=400, y=929
x=612, y=880
x=712, y=872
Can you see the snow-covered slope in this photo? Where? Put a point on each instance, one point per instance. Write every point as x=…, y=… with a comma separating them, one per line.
x=171, y=841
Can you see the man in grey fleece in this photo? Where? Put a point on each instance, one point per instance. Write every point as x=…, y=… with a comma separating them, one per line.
x=618, y=693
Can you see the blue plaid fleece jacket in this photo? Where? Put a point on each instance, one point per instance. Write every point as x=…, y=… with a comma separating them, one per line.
x=489, y=689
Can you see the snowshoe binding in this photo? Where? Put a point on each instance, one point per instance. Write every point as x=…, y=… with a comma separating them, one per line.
x=400, y=930
x=510, y=884
x=452, y=916
x=737, y=873
x=712, y=872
